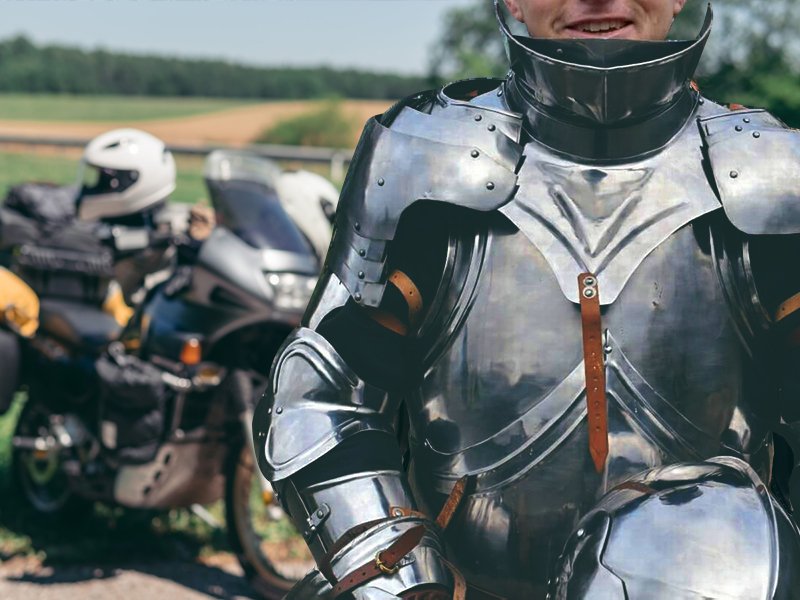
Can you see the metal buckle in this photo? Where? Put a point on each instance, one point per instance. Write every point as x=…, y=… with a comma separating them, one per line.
x=382, y=565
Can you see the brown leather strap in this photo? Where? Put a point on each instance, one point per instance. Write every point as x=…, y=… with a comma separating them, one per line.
x=385, y=562
x=351, y=534
x=389, y=321
x=453, y=501
x=404, y=511
x=636, y=486
x=459, y=583
x=788, y=307
x=410, y=293
x=594, y=368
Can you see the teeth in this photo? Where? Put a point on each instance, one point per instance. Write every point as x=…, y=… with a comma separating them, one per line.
x=603, y=26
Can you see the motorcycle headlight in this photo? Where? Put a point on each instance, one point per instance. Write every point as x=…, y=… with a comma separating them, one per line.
x=292, y=291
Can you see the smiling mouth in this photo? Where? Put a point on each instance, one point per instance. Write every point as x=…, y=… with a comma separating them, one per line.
x=598, y=28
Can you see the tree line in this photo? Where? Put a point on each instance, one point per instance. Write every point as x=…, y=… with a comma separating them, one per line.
x=28, y=67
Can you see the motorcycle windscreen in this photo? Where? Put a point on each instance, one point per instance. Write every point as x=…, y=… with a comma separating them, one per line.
x=253, y=212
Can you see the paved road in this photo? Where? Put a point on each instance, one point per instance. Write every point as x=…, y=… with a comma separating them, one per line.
x=219, y=578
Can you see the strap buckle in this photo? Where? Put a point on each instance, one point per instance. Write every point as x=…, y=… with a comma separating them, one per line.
x=384, y=568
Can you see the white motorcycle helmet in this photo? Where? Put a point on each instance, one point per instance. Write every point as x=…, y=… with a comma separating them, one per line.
x=311, y=201
x=124, y=172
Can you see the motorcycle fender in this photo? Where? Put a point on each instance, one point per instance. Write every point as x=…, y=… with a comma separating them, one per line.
x=9, y=368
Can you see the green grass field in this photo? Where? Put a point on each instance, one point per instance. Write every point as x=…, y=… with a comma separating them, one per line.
x=62, y=169
x=54, y=107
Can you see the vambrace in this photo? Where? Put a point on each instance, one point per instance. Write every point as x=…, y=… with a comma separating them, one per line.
x=326, y=441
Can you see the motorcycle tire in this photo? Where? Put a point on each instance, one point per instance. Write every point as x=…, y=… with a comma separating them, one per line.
x=271, y=552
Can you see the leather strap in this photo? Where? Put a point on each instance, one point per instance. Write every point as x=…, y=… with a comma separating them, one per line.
x=459, y=583
x=636, y=486
x=389, y=321
x=351, y=534
x=594, y=367
x=403, y=511
x=385, y=562
x=410, y=293
x=453, y=501
x=788, y=307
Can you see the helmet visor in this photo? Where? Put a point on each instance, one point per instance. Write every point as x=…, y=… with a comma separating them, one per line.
x=96, y=181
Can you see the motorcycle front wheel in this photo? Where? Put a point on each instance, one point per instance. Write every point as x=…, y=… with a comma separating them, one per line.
x=273, y=555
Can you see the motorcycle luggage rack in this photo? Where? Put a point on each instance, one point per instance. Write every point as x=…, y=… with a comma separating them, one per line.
x=52, y=259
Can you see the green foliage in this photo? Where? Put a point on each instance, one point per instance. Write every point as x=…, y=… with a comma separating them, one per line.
x=26, y=67
x=471, y=44
x=328, y=127
x=64, y=107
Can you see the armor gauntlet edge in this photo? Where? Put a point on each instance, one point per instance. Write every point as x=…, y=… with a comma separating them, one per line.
x=314, y=404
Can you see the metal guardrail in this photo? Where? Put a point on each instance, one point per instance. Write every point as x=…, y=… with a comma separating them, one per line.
x=337, y=158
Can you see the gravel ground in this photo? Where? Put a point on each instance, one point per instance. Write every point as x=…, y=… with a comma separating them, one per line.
x=219, y=577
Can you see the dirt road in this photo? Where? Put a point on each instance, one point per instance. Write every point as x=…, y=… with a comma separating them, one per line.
x=234, y=126
x=219, y=578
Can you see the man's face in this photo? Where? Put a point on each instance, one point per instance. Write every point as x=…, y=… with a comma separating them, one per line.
x=597, y=19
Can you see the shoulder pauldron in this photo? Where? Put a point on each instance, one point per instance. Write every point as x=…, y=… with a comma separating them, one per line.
x=755, y=163
x=456, y=153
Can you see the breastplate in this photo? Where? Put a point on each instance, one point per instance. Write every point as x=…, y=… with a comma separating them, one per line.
x=503, y=398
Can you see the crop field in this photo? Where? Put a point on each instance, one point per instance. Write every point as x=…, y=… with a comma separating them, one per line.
x=55, y=107
x=206, y=122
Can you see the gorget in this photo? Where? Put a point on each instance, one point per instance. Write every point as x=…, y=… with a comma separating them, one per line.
x=603, y=100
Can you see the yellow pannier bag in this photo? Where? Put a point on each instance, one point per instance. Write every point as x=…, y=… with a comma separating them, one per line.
x=19, y=304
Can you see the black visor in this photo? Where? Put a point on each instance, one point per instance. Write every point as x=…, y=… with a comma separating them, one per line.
x=102, y=180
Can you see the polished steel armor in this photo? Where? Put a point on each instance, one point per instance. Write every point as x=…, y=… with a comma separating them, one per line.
x=658, y=192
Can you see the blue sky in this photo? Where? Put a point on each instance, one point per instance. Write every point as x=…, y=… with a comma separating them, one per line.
x=376, y=34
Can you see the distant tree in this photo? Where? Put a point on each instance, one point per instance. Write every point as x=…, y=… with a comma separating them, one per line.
x=470, y=44
x=26, y=67
x=753, y=57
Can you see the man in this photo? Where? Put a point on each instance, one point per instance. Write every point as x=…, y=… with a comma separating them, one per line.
x=554, y=314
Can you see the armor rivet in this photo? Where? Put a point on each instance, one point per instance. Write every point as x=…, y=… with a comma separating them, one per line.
x=756, y=134
x=588, y=293
x=490, y=186
x=279, y=410
x=492, y=127
x=357, y=226
x=702, y=101
x=478, y=118
x=357, y=297
x=320, y=513
x=361, y=274
x=734, y=174
x=580, y=533
x=474, y=154
x=381, y=181
x=589, y=281
x=738, y=128
x=362, y=252
x=499, y=92
x=746, y=119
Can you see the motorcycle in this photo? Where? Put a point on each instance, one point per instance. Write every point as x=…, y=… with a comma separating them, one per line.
x=158, y=415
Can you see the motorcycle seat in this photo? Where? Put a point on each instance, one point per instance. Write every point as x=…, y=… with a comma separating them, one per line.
x=78, y=325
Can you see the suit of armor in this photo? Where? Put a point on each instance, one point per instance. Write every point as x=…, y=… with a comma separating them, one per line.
x=445, y=340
